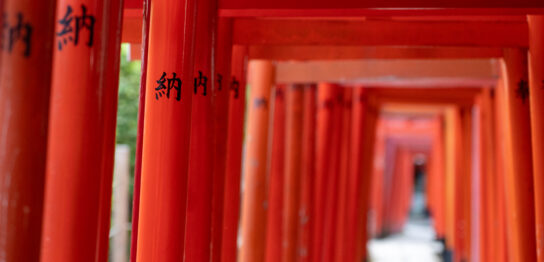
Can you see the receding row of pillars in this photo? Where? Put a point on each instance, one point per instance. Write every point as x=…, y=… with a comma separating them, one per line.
x=58, y=98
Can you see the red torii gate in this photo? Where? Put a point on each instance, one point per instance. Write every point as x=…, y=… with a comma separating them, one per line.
x=11, y=104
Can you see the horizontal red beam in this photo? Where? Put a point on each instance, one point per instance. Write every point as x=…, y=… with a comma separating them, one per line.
x=384, y=12
x=461, y=96
x=369, y=52
x=375, y=33
x=376, y=4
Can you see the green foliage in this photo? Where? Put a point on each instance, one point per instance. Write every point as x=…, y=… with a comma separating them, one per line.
x=127, y=112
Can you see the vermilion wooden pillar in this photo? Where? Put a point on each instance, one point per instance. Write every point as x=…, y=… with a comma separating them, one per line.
x=502, y=226
x=260, y=78
x=221, y=97
x=276, y=178
x=307, y=174
x=237, y=105
x=140, y=133
x=166, y=131
x=25, y=81
x=293, y=167
x=451, y=146
x=81, y=139
x=342, y=231
x=536, y=98
x=369, y=127
x=356, y=174
x=332, y=179
x=200, y=174
x=519, y=178
x=326, y=95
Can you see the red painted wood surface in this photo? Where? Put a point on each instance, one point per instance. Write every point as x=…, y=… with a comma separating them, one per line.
x=369, y=136
x=293, y=167
x=519, y=179
x=140, y=133
x=397, y=33
x=221, y=98
x=274, y=222
x=82, y=133
x=342, y=231
x=253, y=221
x=237, y=104
x=25, y=82
x=354, y=4
x=536, y=91
x=307, y=218
x=166, y=132
x=330, y=52
x=326, y=95
x=200, y=174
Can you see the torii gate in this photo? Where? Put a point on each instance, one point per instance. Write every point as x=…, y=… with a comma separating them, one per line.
x=74, y=138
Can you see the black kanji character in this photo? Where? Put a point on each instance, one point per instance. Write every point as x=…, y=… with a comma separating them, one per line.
x=66, y=22
x=175, y=83
x=201, y=80
x=523, y=90
x=12, y=34
x=235, y=87
x=84, y=21
x=160, y=90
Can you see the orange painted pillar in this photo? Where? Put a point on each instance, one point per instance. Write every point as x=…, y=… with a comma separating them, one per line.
x=332, y=180
x=276, y=178
x=307, y=174
x=369, y=127
x=221, y=97
x=536, y=99
x=502, y=226
x=293, y=167
x=140, y=134
x=438, y=177
x=452, y=170
x=260, y=78
x=25, y=81
x=235, y=135
x=200, y=174
x=81, y=138
x=326, y=95
x=466, y=188
x=161, y=228
x=519, y=178
x=342, y=231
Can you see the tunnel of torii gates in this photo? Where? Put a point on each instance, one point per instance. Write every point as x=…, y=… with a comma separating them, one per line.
x=320, y=106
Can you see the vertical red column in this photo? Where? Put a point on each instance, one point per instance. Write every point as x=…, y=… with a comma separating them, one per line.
x=519, y=176
x=326, y=95
x=222, y=59
x=502, y=226
x=200, y=173
x=235, y=134
x=536, y=99
x=276, y=178
x=342, y=231
x=355, y=172
x=166, y=131
x=140, y=134
x=293, y=168
x=369, y=135
x=333, y=177
x=307, y=174
x=25, y=81
x=261, y=78
x=82, y=130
